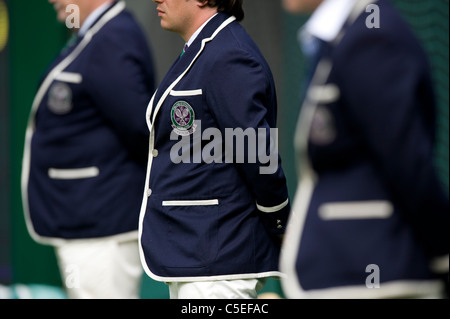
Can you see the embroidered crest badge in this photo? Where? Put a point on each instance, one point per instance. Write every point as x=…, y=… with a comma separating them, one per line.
x=183, y=118
x=60, y=98
x=323, y=127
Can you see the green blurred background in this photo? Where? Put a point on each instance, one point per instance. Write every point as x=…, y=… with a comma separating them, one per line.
x=35, y=37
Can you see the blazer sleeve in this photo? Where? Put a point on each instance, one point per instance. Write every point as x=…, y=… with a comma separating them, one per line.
x=241, y=96
x=390, y=101
x=121, y=81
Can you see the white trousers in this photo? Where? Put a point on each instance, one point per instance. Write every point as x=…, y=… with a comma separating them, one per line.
x=228, y=289
x=100, y=269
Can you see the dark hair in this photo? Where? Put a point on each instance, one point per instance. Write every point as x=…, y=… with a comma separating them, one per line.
x=231, y=7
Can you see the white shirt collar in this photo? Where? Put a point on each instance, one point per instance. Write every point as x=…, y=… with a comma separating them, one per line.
x=328, y=19
x=90, y=20
x=195, y=35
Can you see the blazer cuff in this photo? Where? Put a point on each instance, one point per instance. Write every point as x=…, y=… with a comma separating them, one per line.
x=275, y=218
x=273, y=209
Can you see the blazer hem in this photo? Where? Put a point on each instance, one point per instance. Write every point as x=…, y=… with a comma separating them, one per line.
x=427, y=289
x=268, y=274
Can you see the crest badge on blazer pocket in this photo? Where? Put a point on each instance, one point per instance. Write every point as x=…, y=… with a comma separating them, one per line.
x=183, y=118
x=323, y=127
x=60, y=98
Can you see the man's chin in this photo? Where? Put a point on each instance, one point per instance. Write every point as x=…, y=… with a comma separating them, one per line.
x=62, y=16
x=166, y=26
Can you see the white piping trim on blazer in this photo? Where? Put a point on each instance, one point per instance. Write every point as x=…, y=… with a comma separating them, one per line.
x=393, y=289
x=186, y=93
x=324, y=94
x=112, y=13
x=274, y=209
x=291, y=284
x=69, y=77
x=181, y=203
x=356, y=210
x=70, y=174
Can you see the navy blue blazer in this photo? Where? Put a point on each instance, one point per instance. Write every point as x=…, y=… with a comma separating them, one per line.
x=86, y=147
x=370, y=208
x=208, y=211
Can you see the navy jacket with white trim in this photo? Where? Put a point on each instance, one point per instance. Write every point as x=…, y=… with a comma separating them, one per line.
x=220, y=219
x=370, y=208
x=87, y=140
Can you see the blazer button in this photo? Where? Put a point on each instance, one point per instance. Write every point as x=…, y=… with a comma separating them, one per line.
x=155, y=153
x=279, y=224
x=149, y=192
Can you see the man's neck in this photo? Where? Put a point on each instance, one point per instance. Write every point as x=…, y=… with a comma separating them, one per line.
x=95, y=4
x=206, y=13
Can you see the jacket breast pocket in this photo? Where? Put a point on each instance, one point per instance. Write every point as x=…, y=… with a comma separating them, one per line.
x=364, y=210
x=193, y=228
x=186, y=93
x=73, y=174
x=61, y=94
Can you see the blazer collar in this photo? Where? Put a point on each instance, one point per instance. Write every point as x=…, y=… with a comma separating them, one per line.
x=328, y=20
x=98, y=15
x=195, y=35
x=206, y=32
x=93, y=17
x=182, y=64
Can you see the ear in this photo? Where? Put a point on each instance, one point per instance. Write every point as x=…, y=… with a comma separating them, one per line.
x=202, y=3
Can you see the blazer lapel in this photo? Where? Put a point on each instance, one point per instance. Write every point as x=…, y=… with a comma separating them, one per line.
x=185, y=62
